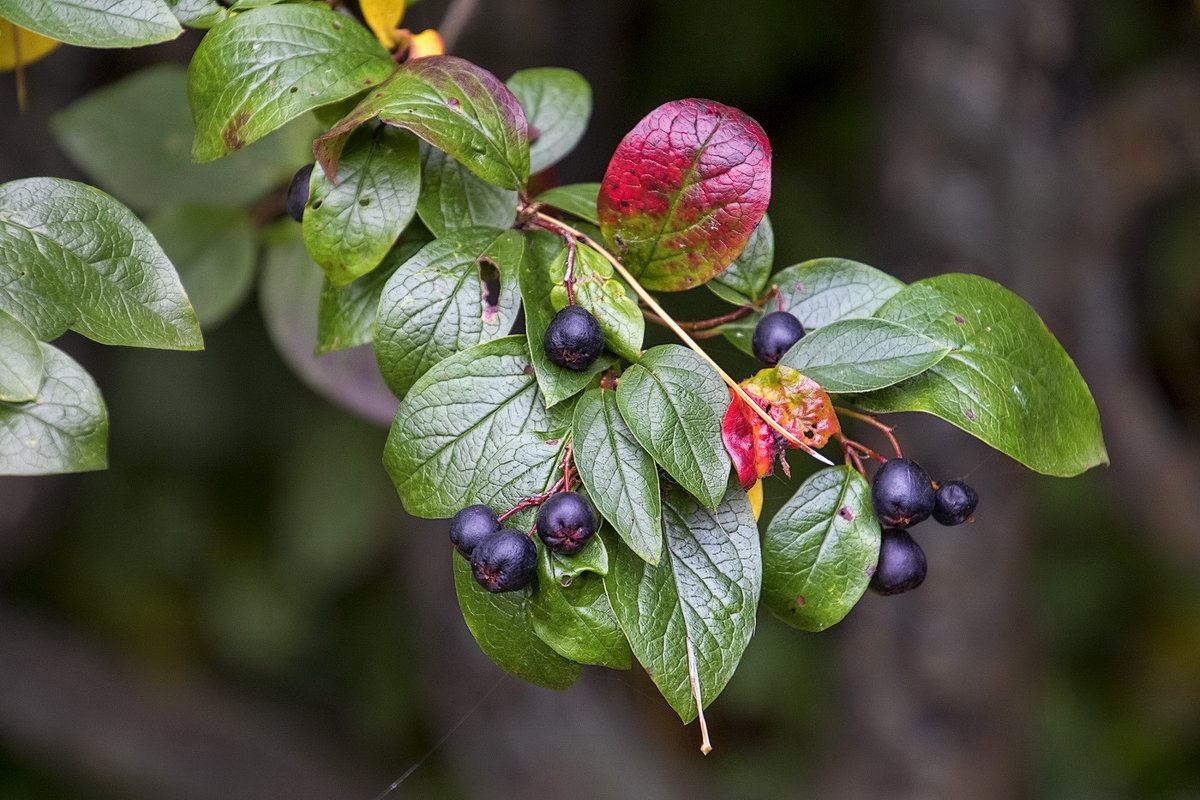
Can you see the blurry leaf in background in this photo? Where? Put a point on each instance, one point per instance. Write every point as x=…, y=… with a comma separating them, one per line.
x=19, y=47
x=558, y=105
x=95, y=23
x=214, y=250
x=382, y=17
x=134, y=139
x=289, y=294
x=20, y=361
x=64, y=430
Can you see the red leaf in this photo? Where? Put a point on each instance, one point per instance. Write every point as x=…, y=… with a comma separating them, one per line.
x=684, y=191
x=796, y=402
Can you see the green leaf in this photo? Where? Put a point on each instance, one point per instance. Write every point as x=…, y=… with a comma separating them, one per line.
x=133, y=138
x=456, y=292
x=454, y=105
x=557, y=103
x=1007, y=380
x=605, y=297
x=556, y=383
x=349, y=227
x=20, y=361
x=452, y=197
x=95, y=23
x=198, y=13
x=258, y=69
x=620, y=476
x=820, y=550
x=452, y=414
x=861, y=355
x=746, y=279
x=576, y=198
x=502, y=626
x=72, y=257
x=673, y=402
x=572, y=614
x=346, y=316
x=214, y=250
x=820, y=292
x=64, y=430
x=698, y=606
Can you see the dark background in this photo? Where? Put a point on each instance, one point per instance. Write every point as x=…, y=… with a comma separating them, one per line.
x=239, y=608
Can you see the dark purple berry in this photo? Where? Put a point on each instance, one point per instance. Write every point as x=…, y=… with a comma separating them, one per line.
x=902, y=493
x=504, y=561
x=954, y=503
x=573, y=339
x=566, y=521
x=471, y=526
x=774, y=335
x=901, y=563
x=297, y=193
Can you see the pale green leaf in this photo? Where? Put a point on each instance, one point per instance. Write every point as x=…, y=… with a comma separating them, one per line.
x=557, y=104
x=861, y=355
x=576, y=198
x=453, y=197
x=95, y=23
x=20, y=361
x=72, y=257
x=64, y=430
x=747, y=278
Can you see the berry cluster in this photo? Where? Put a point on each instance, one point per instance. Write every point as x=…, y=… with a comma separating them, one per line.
x=903, y=495
x=503, y=559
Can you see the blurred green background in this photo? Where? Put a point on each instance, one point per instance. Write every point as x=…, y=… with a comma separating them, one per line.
x=239, y=608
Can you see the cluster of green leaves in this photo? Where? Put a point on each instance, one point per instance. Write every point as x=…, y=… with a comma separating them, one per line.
x=419, y=220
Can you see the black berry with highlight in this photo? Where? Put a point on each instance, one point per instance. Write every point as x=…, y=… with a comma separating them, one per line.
x=902, y=493
x=504, y=561
x=901, y=564
x=471, y=526
x=566, y=521
x=954, y=503
x=573, y=339
x=774, y=335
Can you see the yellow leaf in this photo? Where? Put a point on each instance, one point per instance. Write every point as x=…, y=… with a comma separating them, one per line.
x=754, y=495
x=383, y=17
x=426, y=43
x=19, y=47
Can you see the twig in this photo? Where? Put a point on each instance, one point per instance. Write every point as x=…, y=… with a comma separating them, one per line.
x=551, y=224
x=867, y=418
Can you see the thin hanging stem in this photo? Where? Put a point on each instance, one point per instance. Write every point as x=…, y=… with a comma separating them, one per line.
x=867, y=418
x=550, y=223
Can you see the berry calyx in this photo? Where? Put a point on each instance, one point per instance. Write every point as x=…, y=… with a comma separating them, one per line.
x=504, y=561
x=901, y=564
x=471, y=526
x=566, y=521
x=774, y=335
x=902, y=493
x=297, y=193
x=573, y=339
x=954, y=502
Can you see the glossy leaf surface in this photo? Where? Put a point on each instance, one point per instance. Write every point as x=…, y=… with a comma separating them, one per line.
x=861, y=355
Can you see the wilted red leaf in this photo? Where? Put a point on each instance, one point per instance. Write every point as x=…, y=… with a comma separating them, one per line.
x=796, y=402
x=684, y=191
